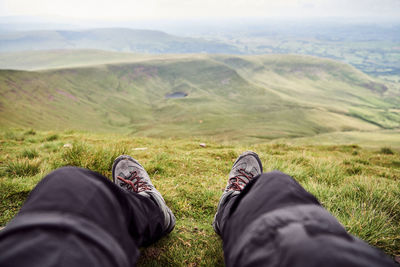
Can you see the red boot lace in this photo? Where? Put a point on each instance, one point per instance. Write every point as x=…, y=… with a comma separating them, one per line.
x=237, y=183
x=138, y=185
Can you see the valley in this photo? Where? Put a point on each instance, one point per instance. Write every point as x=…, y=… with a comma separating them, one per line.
x=247, y=98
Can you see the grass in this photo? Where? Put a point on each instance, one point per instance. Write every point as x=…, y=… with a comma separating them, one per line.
x=52, y=137
x=360, y=186
x=387, y=150
x=386, y=139
x=22, y=168
x=29, y=153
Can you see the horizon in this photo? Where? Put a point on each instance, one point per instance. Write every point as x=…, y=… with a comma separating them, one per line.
x=115, y=11
x=190, y=27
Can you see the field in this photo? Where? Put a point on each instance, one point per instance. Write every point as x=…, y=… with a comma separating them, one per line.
x=371, y=48
x=359, y=185
x=376, y=57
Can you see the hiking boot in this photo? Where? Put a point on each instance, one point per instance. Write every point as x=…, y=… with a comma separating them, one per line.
x=246, y=167
x=128, y=174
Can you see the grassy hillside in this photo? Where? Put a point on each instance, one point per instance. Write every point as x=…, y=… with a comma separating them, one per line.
x=246, y=98
x=53, y=59
x=372, y=139
x=40, y=60
x=359, y=186
x=111, y=39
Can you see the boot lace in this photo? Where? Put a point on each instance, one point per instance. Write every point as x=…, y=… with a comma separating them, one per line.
x=237, y=183
x=137, y=186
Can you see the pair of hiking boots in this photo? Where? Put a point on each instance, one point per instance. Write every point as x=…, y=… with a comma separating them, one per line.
x=130, y=175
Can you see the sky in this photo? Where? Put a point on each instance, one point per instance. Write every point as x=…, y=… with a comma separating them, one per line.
x=118, y=10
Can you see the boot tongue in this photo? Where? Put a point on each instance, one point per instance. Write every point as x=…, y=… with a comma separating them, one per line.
x=247, y=169
x=127, y=173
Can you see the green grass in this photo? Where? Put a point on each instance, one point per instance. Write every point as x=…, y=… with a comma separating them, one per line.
x=358, y=185
x=387, y=150
x=51, y=137
x=22, y=168
x=29, y=153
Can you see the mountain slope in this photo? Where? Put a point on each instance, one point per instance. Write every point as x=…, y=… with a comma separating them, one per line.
x=69, y=58
x=340, y=88
x=228, y=97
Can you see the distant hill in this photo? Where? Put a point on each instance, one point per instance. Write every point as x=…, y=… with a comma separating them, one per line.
x=228, y=97
x=52, y=59
x=112, y=39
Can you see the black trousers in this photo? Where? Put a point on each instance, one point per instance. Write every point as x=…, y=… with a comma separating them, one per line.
x=275, y=222
x=76, y=217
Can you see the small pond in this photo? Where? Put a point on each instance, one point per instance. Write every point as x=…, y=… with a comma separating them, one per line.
x=176, y=95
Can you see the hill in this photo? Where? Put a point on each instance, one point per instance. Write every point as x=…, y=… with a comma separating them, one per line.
x=359, y=186
x=112, y=39
x=371, y=48
x=57, y=59
x=247, y=98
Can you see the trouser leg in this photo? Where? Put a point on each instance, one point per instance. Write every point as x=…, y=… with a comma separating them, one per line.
x=76, y=217
x=275, y=222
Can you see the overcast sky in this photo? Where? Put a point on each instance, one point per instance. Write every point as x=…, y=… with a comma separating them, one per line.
x=177, y=9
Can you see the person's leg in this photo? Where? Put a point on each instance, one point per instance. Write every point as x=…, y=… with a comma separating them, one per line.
x=76, y=217
x=273, y=221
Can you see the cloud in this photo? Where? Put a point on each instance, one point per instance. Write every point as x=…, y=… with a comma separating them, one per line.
x=139, y=9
